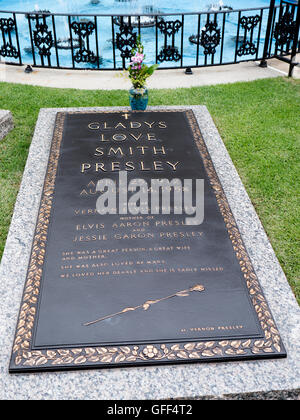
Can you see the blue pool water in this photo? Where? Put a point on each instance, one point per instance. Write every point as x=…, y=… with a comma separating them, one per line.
x=115, y=7
x=104, y=26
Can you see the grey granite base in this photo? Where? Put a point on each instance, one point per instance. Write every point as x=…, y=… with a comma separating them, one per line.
x=6, y=123
x=272, y=379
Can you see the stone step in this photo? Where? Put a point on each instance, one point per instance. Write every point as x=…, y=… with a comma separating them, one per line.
x=6, y=123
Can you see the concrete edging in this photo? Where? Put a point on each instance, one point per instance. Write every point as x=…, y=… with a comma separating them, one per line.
x=6, y=123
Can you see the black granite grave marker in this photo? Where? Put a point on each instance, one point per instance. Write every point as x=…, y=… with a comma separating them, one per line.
x=124, y=289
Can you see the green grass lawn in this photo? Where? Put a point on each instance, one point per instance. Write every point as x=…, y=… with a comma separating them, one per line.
x=258, y=121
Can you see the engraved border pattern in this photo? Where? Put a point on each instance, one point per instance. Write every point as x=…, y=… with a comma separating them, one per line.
x=24, y=358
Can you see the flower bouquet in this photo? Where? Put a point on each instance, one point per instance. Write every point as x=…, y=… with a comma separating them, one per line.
x=138, y=73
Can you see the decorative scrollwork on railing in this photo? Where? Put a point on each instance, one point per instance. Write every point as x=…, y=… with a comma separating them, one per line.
x=247, y=48
x=285, y=29
x=43, y=39
x=126, y=38
x=7, y=49
x=169, y=51
x=210, y=38
x=248, y=23
x=85, y=56
x=84, y=30
x=169, y=28
x=7, y=25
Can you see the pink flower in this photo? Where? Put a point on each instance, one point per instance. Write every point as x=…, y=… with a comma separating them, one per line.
x=140, y=57
x=137, y=58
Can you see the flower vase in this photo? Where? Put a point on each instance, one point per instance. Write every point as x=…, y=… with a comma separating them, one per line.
x=138, y=98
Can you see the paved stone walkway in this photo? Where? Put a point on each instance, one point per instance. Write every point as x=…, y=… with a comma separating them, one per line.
x=109, y=80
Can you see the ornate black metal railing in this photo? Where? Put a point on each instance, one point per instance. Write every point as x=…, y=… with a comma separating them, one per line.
x=43, y=39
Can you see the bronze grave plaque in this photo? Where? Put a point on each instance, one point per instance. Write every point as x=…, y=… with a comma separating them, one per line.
x=124, y=289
